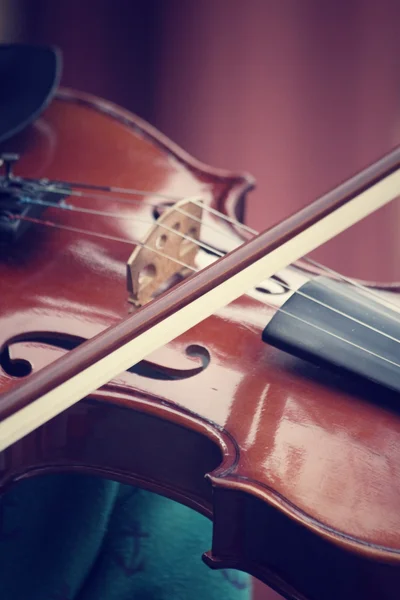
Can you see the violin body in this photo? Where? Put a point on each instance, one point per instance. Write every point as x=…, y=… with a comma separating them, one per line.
x=297, y=467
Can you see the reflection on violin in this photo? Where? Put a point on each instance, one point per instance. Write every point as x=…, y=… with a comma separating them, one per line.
x=149, y=337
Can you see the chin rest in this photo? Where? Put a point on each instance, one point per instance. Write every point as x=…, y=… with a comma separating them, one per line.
x=29, y=76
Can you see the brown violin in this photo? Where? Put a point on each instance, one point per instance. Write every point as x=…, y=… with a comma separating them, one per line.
x=149, y=336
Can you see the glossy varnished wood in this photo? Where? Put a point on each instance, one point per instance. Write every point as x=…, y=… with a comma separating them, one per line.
x=214, y=276
x=303, y=467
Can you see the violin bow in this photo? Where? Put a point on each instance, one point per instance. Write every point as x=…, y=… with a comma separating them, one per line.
x=97, y=361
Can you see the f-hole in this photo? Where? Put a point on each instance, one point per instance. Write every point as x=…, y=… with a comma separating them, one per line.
x=18, y=367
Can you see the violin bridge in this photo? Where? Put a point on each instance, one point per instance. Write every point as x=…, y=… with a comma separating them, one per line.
x=165, y=253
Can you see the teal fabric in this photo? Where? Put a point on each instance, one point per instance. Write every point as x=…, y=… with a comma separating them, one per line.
x=70, y=537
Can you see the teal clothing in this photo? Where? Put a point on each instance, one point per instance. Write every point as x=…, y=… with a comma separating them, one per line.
x=72, y=537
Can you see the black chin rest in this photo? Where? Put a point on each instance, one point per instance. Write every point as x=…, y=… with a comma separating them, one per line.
x=29, y=76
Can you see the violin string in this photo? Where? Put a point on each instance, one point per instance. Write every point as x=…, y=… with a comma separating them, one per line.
x=221, y=216
x=131, y=191
x=49, y=185
x=338, y=337
x=111, y=190
x=289, y=314
x=226, y=218
x=135, y=192
x=282, y=310
x=307, y=259
x=349, y=280
x=193, y=240
x=51, y=189
x=100, y=235
x=70, y=207
x=343, y=314
x=99, y=213
x=235, y=222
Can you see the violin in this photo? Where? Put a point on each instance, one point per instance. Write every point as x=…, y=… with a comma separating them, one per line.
x=150, y=337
